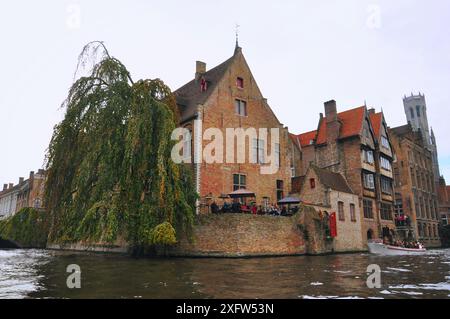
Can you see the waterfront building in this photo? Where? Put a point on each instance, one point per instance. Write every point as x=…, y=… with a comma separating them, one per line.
x=415, y=190
x=347, y=143
x=444, y=202
x=224, y=97
x=330, y=194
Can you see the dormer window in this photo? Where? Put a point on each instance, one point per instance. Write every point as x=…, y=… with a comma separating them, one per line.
x=312, y=183
x=240, y=83
x=203, y=85
x=385, y=142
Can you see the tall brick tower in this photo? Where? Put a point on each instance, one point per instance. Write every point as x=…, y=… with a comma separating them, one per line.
x=416, y=114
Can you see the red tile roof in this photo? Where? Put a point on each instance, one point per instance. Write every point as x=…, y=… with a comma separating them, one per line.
x=351, y=124
x=306, y=138
x=376, y=120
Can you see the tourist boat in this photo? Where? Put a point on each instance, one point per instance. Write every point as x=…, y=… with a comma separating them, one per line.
x=378, y=248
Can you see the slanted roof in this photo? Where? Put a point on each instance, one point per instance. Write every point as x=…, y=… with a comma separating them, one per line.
x=189, y=95
x=351, y=124
x=402, y=130
x=332, y=180
x=376, y=119
x=306, y=138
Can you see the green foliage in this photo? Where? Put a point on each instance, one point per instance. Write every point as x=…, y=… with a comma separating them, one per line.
x=28, y=228
x=110, y=172
x=163, y=234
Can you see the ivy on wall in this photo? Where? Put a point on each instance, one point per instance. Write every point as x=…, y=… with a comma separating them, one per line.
x=28, y=228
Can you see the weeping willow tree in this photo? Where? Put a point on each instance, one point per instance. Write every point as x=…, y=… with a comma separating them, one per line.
x=110, y=172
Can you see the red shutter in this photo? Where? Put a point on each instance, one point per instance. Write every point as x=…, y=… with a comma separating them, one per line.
x=333, y=226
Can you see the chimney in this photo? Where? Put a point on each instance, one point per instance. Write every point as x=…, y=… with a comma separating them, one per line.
x=5, y=187
x=333, y=125
x=31, y=174
x=330, y=111
x=371, y=111
x=11, y=185
x=200, y=69
x=21, y=179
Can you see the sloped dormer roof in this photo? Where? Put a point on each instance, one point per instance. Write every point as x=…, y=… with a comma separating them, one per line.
x=190, y=95
x=351, y=124
x=307, y=138
x=332, y=180
x=376, y=119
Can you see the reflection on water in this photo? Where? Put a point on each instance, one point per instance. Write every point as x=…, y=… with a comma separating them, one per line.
x=42, y=274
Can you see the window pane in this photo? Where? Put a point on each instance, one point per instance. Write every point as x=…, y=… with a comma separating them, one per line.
x=243, y=180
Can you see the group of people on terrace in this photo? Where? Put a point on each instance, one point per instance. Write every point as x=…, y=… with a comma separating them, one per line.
x=237, y=207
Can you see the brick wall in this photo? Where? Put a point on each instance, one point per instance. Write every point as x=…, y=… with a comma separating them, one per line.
x=219, y=112
x=234, y=235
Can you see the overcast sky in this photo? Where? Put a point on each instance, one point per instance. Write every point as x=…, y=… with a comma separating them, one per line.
x=302, y=53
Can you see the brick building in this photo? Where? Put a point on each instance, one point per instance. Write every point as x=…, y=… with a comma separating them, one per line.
x=444, y=202
x=330, y=193
x=415, y=190
x=225, y=97
x=356, y=144
x=27, y=193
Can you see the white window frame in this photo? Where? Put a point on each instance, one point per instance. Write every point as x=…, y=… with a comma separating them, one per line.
x=369, y=181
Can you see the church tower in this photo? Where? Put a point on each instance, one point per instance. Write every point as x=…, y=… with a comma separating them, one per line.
x=416, y=114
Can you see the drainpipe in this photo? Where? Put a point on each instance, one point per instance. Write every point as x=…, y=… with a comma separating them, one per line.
x=198, y=134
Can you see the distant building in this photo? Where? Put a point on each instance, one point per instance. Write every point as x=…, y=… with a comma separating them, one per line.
x=8, y=200
x=416, y=114
x=444, y=202
x=27, y=193
x=330, y=193
x=415, y=190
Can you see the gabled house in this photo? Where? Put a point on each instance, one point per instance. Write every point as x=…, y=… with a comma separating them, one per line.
x=347, y=143
x=228, y=97
x=330, y=193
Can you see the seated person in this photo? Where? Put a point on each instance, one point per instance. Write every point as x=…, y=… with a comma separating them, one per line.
x=214, y=208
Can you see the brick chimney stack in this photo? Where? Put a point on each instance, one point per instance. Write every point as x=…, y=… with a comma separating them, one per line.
x=200, y=69
x=5, y=187
x=21, y=179
x=371, y=111
x=333, y=124
x=11, y=185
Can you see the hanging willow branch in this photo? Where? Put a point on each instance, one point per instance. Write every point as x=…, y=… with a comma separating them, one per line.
x=109, y=168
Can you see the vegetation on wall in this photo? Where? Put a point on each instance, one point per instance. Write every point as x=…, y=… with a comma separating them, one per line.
x=110, y=172
x=28, y=228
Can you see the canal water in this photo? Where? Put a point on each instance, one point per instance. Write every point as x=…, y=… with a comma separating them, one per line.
x=42, y=274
